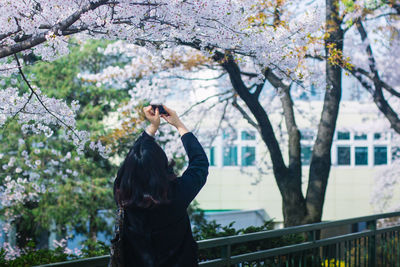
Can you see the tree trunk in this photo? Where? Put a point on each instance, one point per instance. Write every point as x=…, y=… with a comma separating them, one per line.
x=321, y=155
x=293, y=206
x=287, y=179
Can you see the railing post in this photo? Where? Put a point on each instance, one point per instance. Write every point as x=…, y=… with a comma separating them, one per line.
x=371, y=225
x=226, y=254
x=311, y=237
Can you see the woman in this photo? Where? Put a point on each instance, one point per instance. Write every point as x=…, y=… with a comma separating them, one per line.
x=157, y=229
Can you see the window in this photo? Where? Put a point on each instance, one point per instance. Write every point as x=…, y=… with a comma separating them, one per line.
x=230, y=156
x=360, y=136
x=380, y=155
x=377, y=136
x=230, y=134
x=361, y=155
x=343, y=136
x=248, y=156
x=306, y=155
x=211, y=155
x=248, y=135
x=343, y=155
x=395, y=153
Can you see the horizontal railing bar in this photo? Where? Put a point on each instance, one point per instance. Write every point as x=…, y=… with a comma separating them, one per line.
x=388, y=229
x=100, y=261
x=213, y=263
x=221, y=241
x=298, y=247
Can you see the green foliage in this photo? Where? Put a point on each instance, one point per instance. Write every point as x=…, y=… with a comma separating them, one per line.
x=32, y=256
x=94, y=249
x=202, y=229
x=35, y=257
x=214, y=230
x=349, y=5
x=69, y=201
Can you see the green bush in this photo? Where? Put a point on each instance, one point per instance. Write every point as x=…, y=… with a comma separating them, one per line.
x=214, y=230
x=202, y=229
x=94, y=249
x=31, y=256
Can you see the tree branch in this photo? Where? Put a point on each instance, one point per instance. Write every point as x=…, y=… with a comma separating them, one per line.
x=266, y=130
x=258, y=90
x=59, y=27
x=245, y=115
x=197, y=79
x=377, y=93
x=40, y=100
x=249, y=74
x=369, y=75
x=203, y=101
x=290, y=121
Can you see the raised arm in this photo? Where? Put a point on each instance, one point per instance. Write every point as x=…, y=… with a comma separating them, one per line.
x=194, y=177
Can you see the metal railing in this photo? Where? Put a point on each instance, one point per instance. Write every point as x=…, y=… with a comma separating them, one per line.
x=358, y=241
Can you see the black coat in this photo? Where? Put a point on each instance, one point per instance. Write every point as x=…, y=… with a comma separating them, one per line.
x=162, y=236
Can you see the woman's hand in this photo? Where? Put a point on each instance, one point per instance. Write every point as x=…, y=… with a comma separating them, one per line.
x=173, y=119
x=154, y=119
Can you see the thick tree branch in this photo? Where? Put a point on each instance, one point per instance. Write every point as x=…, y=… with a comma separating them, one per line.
x=59, y=27
x=249, y=74
x=291, y=126
x=377, y=93
x=5, y=35
x=363, y=82
x=258, y=90
x=358, y=71
x=293, y=133
x=264, y=124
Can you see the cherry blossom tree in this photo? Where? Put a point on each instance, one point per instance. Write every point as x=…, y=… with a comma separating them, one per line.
x=43, y=27
x=45, y=185
x=253, y=35
x=246, y=98
x=370, y=54
x=339, y=15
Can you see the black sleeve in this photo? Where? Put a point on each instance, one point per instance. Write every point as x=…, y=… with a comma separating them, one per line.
x=195, y=176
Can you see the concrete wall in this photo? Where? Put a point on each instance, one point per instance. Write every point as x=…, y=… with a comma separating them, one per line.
x=348, y=192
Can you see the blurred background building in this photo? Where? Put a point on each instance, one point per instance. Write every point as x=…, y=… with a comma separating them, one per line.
x=362, y=147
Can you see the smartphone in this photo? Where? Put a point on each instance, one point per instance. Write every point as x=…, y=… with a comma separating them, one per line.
x=160, y=109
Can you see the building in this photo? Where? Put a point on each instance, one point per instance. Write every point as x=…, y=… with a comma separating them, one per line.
x=363, y=146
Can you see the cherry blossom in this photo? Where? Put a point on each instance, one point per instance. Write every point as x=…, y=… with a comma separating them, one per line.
x=44, y=28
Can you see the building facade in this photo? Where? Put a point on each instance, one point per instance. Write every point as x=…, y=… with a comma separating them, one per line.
x=363, y=146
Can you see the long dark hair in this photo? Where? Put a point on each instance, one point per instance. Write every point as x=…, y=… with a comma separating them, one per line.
x=144, y=176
